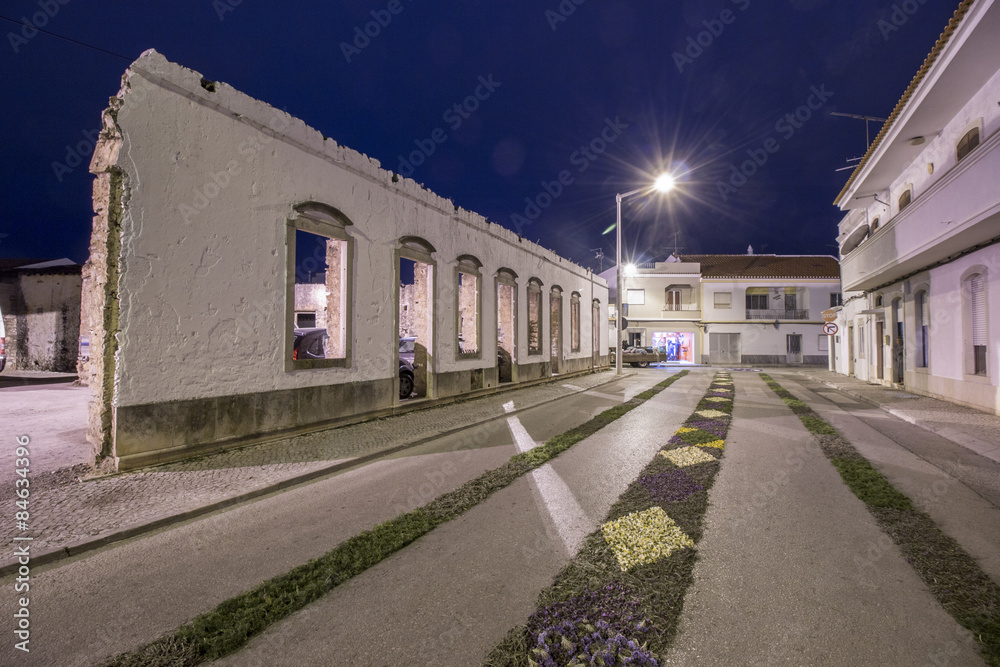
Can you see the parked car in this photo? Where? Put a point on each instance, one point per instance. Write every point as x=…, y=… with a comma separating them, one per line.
x=309, y=343
x=407, y=353
x=408, y=348
x=406, y=376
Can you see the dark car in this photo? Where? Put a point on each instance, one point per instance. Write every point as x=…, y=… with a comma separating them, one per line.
x=407, y=352
x=405, y=378
x=309, y=343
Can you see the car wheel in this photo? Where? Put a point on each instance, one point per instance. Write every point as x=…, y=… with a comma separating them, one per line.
x=405, y=386
x=643, y=364
x=633, y=364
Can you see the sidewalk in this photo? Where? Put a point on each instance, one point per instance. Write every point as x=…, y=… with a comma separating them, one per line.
x=70, y=516
x=971, y=428
x=778, y=580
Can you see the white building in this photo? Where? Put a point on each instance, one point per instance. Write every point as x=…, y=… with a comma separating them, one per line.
x=920, y=261
x=190, y=302
x=732, y=309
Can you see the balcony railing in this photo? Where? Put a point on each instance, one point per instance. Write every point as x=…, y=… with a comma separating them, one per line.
x=753, y=314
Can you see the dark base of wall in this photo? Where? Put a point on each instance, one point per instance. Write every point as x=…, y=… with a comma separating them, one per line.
x=158, y=433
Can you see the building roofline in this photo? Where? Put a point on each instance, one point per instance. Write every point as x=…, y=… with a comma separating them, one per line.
x=942, y=41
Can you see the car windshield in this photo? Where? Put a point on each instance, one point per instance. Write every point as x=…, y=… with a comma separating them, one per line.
x=407, y=345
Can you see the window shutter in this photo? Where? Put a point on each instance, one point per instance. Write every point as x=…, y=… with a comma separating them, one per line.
x=978, y=309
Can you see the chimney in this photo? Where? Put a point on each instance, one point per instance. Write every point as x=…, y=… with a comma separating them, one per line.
x=749, y=249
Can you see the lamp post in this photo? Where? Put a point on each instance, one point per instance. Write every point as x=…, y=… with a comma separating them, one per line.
x=664, y=183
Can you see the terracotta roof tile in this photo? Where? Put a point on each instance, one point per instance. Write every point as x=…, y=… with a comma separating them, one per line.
x=766, y=266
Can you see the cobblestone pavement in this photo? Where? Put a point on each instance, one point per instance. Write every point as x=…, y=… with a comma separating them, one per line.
x=68, y=511
x=975, y=429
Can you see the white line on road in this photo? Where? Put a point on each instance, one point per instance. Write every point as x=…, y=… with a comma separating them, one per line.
x=566, y=513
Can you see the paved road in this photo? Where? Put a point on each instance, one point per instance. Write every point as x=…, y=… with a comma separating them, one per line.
x=121, y=596
x=778, y=580
x=449, y=597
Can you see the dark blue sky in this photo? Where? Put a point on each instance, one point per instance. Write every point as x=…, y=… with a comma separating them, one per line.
x=597, y=96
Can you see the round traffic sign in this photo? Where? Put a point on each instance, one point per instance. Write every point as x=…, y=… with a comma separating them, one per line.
x=829, y=315
x=624, y=324
x=829, y=328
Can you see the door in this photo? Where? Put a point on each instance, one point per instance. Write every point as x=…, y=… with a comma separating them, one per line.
x=793, y=351
x=850, y=351
x=898, y=352
x=724, y=348
x=879, y=350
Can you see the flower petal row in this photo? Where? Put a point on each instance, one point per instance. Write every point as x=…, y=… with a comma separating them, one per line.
x=644, y=537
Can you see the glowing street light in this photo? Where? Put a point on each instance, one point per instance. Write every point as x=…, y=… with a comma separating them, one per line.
x=663, y=183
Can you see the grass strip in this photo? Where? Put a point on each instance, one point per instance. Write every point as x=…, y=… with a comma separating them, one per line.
x=233, y=623
x=596, y=612
x=955, y=579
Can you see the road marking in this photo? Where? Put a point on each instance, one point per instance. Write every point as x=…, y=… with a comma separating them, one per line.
x=559, y=502
x=574, y=387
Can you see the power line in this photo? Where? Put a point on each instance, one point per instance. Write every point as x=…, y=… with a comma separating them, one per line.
x=73, y=41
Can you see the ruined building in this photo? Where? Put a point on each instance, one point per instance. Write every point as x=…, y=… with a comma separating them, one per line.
x=215, y=213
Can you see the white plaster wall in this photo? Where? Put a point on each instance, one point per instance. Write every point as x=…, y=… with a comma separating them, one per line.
x=953, y=204
x=212, y=178
x=940, y=150
x=949, y=321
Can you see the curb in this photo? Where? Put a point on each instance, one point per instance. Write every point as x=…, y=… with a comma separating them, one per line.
x=984, y=448
x=54, y=555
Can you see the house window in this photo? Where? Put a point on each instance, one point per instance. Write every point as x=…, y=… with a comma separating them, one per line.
x=975, y=292
x=319, y=257
x=757, y=301
x=873, y=227
x=836, y=299
x=861, y=341
x=636, y=297
x=723, y=300
x=534, y=316
x=878, y=301
x=673, y=299
x=905, y=199
x=923, y=320
x=967, y=143
x=574, y=321
x=824, y=343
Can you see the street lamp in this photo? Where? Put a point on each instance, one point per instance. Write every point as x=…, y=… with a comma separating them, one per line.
x=663, y=183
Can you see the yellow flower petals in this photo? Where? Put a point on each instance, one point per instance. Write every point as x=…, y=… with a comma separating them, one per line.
x=717, y=444
x=711, y=414
x=644, y=537
x=687, y=456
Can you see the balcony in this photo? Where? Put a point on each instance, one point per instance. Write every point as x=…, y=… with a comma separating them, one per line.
x=770, y=315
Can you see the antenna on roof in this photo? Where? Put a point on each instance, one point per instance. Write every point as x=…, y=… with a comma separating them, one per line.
x=599, y=256
x=867, y=119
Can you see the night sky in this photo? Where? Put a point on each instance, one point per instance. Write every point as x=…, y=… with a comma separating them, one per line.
x=598, y=94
